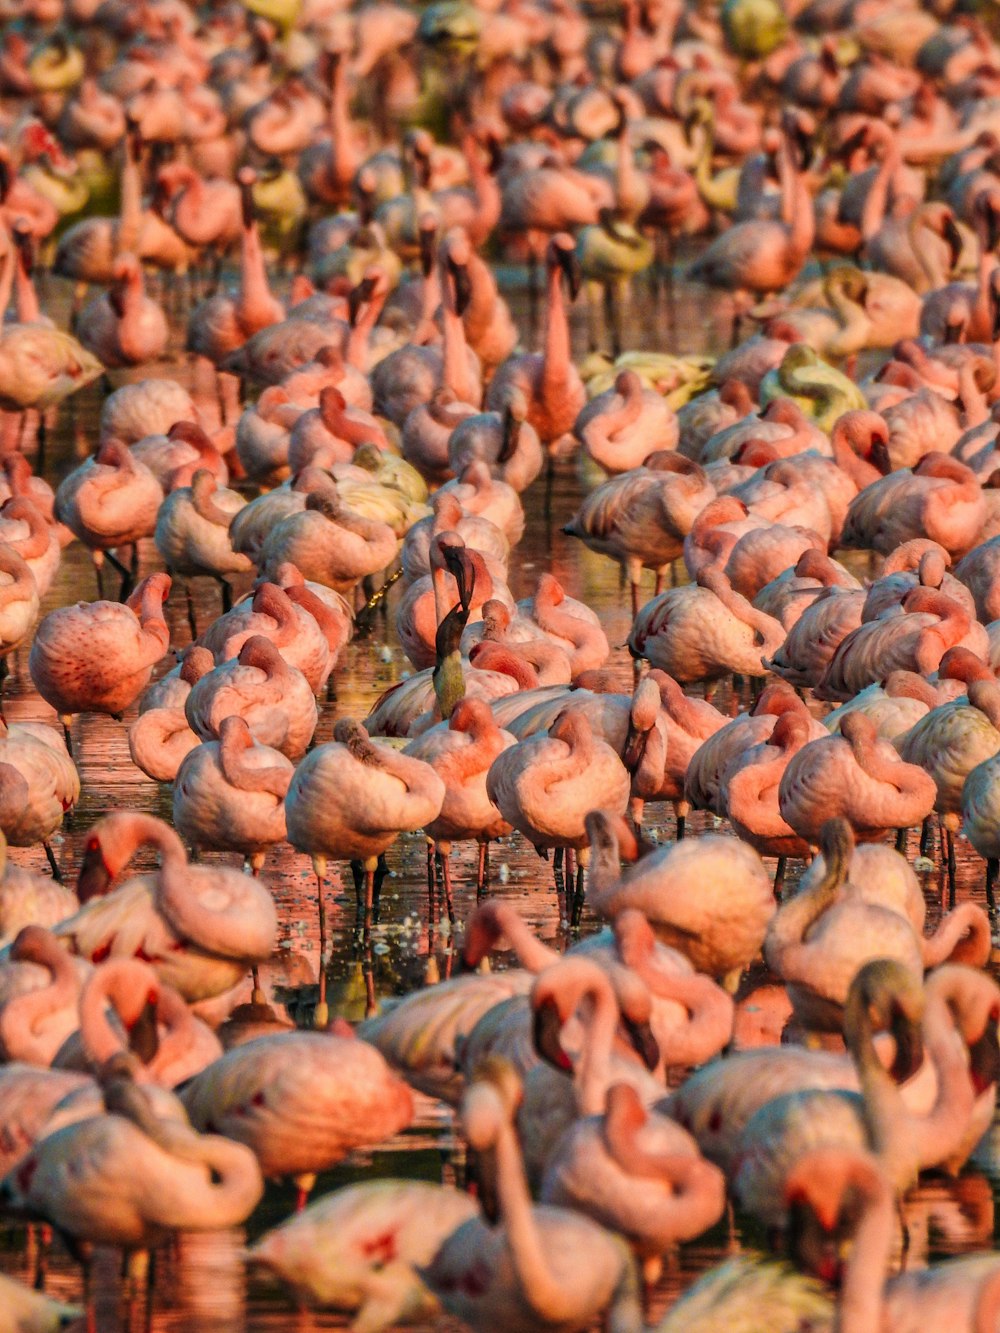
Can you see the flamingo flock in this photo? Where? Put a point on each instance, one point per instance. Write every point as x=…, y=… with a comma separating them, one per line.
x=345, y=350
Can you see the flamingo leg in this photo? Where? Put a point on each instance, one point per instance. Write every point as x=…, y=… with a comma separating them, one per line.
x=926, y=836
x=950, y=849
x=370, y=867
x=322, y=1015
x=98, y=557
x=379, y=874
x=124, y=571
x=992, y=866
x=191, y=616
x=557, y=870
x=578, y=895
x=227, y=595
x=444, y=860
x=901, y=841
x=431, y=883
x=779, y=876
x=304, y=1185
x=481, y=872
x=53, y=864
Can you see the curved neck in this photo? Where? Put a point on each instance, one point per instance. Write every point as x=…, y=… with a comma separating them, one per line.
x=22, y=1015
x=859, y=1309
x=547, y=1296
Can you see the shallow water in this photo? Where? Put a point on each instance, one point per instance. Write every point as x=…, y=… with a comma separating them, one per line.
x=200, y=1284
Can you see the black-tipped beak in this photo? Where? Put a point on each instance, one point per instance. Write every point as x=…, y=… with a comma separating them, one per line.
x=427, y=237
x=94, y=877
x=510, y=438
x=641, y=1037
x=246, y=204
x=635, y=747
x=143, y=1038
x=545, y=1031
x=909, y=1046
x=481, y=1170
x=802, y=143
x=116, y=299
x=463, y=286
x=857, y=140
x=953, y=238
x=357, y=297
x=984, y=1058
x=460, y=566
x=992, y=227
x=570, y=266
x=495, y=150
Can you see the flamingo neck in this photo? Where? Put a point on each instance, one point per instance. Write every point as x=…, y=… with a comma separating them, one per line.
x=130, y=215
x=542, y=1292
x=556, y=356
x=860, y=1307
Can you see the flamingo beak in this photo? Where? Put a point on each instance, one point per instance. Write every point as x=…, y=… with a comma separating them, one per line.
x=143, y=1038
x=570, y=266
x=95, y=876
x=635, y=747
x=481, y=1169
x=463, y=286
x=984, y=1058
x=357, y=297
x=460, y=566
x=641, y=1037
x=545, y=1034
x=953, y=237
x=426, y=250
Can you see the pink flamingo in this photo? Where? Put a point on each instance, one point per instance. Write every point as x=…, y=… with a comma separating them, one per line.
x=548, y=379
x=855, y=775
x=98, y=657
x=461, y=753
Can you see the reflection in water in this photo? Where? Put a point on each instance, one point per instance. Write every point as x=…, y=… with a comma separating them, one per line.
x=200, y=1283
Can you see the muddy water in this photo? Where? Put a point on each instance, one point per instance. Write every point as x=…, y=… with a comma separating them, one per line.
x=200, y=1284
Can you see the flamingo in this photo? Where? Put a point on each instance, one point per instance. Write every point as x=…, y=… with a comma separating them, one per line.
x=857, y=775
x=721, y=928
x=760, y=257
x=948, y=743
x=642, y=516
x=229, y=794
x=200, y=927
x=461, y=752
x=548, y=379
x=705, y=631
x=110, y=501
x=143, y=1005
x=961, y=1293
x=129, y=1178
x=331, y=812
x=635, y=1174
x=544, y=786
x=99, y=656
x=519, y=1269
x=273, y=698
x=333, y=1251
x=42, y=986
x=300, y=1100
